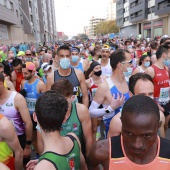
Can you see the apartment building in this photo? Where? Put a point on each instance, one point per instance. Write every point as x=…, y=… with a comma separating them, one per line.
x=111, y=10
x=27, y=21
x=147, y=17
x=91, y=29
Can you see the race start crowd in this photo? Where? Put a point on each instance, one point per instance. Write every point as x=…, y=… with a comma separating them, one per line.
x=98, y=104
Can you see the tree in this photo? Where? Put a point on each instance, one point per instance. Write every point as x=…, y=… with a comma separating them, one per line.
x=106, y=27
x=82, y=37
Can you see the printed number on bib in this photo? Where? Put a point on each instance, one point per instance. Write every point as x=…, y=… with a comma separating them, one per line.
x=31, y=104
x=164, y=95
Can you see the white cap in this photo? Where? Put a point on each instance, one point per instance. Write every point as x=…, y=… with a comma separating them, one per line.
x=165, y=36
x=45, y=66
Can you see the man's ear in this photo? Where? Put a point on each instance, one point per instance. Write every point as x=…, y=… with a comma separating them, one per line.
x=34, y=117
x=160, y=123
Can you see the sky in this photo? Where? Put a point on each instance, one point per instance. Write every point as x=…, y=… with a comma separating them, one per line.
x=73, y=15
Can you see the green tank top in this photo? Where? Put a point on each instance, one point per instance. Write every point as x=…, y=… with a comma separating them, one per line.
x=72, y=124
x=70, y=161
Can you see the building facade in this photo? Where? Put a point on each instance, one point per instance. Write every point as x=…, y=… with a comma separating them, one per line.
x=150, y=17
x=27, y=21
x=92, y=25
x=111, y=10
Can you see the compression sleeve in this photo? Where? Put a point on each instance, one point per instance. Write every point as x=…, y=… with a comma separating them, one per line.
x=95, y=111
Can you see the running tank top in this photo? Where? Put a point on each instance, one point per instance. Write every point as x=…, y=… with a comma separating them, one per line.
x=75, y=82
x=8, y=109
x=93, y=87
x=114, y=90
x=70, y=161
x=20, y=77
x=79, y=67
x=6, y=153
x=73, y=124
x=118, y=159
x=161, y=85
x=31, y=95
x=106, y=70
x=141, y=70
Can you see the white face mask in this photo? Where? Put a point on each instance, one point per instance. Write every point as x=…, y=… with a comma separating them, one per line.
x=142, y=48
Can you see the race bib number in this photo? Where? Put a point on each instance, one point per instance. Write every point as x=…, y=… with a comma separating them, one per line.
x=164, y=95
x=31, y=104
x=94, y=92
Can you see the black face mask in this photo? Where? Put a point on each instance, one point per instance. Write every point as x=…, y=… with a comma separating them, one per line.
x=51, y=62
x=98, y=73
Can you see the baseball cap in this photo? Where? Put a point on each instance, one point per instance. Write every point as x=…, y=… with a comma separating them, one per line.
x=21, y=53
x=45, y=66
x=30, y=66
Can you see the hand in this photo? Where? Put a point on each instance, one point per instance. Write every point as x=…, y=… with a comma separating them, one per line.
x=161, y=108
x=31, y=164
x=116, y=103
x=27, y=151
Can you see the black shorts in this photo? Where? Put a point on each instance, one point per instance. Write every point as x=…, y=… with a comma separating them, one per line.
x=167, y=109
x=22, y=141
x=33, y=123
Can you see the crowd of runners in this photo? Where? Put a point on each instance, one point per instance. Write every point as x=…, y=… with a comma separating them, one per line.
x=85, y=105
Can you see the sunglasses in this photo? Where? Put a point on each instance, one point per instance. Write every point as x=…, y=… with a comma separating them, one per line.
x=130, y=62
x=28, y=54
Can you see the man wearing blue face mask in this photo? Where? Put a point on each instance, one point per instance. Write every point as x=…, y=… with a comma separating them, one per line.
x=160, y=74
x=76, y=61
x=75, y=76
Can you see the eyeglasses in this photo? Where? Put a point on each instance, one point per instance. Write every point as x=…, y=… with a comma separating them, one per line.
x=130, y=62
x=28, y=54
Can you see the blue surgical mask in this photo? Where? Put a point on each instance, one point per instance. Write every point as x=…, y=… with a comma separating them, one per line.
x=128, y=72
x=41, y=57
x=167, y=62
x=74, y=58
x=65, y=63
x=147, y=64
x=28, y=59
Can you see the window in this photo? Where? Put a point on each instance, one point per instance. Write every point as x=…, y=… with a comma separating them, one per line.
x=164, y=4
x=11, y=6
x=17, y=13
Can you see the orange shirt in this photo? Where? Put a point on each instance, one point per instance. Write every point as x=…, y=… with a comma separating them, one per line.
x=119, y=160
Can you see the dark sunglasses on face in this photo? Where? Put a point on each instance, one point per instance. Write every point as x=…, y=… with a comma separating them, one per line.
x=28, y=54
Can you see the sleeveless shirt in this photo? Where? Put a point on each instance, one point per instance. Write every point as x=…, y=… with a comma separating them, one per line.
x=8, y=109
x=118, y=159
x=69, y=161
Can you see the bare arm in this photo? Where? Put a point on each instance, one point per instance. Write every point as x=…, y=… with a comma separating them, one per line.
x=84, y=117
x=99, y=154
x=162, y=128
x=50, y=81
x=150, y=71
x=10, y=85
x=83, y=87
x=3, y=167
x=153, y=59
x=41, y=87
x=135, y=71
x=21, y=105
x=115, y=126
x=7, y=132
x=13, y=78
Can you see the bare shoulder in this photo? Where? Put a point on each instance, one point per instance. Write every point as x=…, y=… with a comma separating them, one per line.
x=5, y=124
x=150, y=71
x=100, y=150
x=75, y=136
x=82, y=111
x=103, y=86
x=3, y=167
x=44, y=165
x=19, y=97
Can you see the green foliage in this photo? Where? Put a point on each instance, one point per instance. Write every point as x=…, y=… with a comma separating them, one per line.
x=106, y=27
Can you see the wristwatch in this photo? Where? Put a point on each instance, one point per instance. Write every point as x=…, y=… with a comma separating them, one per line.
x=29, y=142
x=108, y=110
